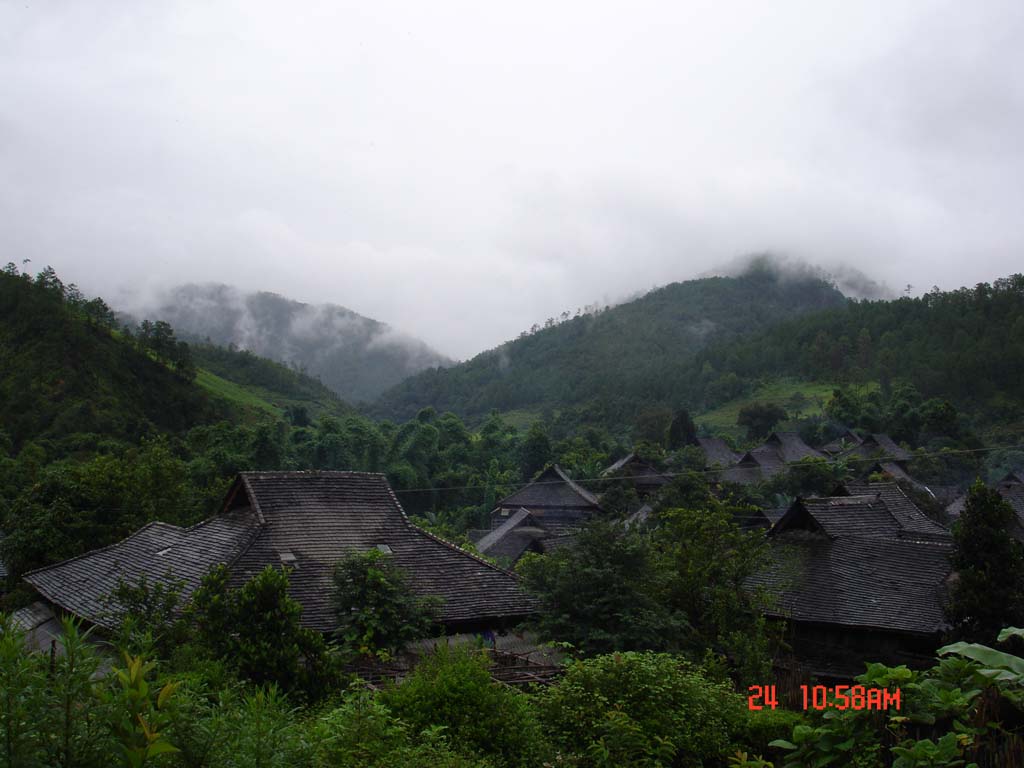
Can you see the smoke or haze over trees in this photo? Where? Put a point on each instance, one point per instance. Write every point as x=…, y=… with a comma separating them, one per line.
x=462, y=174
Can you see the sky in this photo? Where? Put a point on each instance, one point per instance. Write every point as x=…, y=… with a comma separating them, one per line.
x=462, y=170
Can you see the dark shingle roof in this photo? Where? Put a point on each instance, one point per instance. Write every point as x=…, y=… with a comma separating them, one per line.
x=643, y=474
x=553, y=488
x=319, y=517
x=512, y=538
x=1012, y=491
x=870, y=583
x=912, y=521
x=717, y=452
x=875, y=510
x=842, y=443
x=158, y=551
x=308, y=520
x=771, y=458
x=879, y=446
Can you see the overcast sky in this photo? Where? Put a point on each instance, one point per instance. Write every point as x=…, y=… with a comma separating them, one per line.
x=463, y=170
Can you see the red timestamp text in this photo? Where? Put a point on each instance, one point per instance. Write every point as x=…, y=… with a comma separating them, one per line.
x=829, y=697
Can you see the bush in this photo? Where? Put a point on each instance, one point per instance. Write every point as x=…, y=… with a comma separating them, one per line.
x=363, y=733
x=453, y=688
x=641, y=709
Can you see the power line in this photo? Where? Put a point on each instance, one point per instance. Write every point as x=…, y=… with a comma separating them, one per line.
x=831, y=462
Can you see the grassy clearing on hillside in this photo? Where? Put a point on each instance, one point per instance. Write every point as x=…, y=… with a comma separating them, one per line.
x=722, y=420
x=234, y=393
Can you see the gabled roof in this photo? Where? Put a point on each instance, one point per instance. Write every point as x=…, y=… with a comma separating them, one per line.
x=879, y=446
x=888, y=585
x=876, y=510
x=717, y=452
x=158, y=551
x=1014, y=477
x=771, y=458
x=863, y=516
x=912, y=521
x=307, y=521
x=846, y=440
x=553, y=488
x=1012, y=492
x=642, y=473
x=791, y=448
x=512, y=538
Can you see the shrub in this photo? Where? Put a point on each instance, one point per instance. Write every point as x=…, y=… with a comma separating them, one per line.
x=364, y=733
x=641, y=709
x=453, y=688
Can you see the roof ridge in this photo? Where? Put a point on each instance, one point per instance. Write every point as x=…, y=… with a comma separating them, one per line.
x=110, y=546
x=445, y=542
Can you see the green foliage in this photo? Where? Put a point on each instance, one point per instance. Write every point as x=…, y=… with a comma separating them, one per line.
x=149, y=610
x=760, y=419
x=138, y=713
x=378, y=614
x=605, y=593
x=608, y=365
x=257, y=629
x=681, y=587
x=453, y=688
x=641, y=709
x=989, y=588
x=365, y=732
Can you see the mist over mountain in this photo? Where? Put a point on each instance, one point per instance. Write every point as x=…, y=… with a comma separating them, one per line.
x=610, y=361
x=357, y=357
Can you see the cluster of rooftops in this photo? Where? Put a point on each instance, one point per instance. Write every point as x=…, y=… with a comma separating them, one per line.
x=865, y=558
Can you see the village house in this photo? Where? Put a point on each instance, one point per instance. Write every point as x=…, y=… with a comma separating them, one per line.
x=855, y=575
x=771, y=458
x=539, y=517
x=303, y=521
x=645, y=478
x=1011, y=488
x=717, y=453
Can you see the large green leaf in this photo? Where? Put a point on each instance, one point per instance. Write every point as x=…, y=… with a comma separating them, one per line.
x=989, y=657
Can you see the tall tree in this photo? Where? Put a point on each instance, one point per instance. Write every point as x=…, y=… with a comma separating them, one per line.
x=988, y=592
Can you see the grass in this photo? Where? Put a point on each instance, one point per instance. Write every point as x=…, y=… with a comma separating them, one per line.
x=235, y=393
x=722, y=420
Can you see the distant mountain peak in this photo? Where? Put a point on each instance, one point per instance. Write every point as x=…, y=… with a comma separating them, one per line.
x=356, y=356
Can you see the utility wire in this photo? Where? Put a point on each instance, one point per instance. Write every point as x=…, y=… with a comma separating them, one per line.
x=834, y=461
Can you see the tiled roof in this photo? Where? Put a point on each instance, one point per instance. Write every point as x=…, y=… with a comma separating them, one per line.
x=791, y=448
x=912, y=521
x=871, y=511
x=553, y=488
x=771, y=458
x=1012, y=492
x=512, y=538
x=306, y=520
x=643, y=474
x=890, y=585
x=717, y=452
x=158, y=551
x=879, y=446
x=841, y=443
x=319, y=517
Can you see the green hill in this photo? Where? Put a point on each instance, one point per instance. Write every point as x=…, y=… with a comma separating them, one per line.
x=252, y=382
x=613, y=363
x=965, y=346
x=356, y=356
x=65, y=372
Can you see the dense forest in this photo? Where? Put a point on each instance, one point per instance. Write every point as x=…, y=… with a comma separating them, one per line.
x=107, y=426
x=610, y=362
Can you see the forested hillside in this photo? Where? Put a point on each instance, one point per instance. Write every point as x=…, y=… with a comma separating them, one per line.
x=355, y=356
x=966, y=346
x=613, y=362
x=65, y=371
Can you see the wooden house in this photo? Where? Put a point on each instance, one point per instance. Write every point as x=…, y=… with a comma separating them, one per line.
x=645, y=477
x=717, y=453
x=771, y=458
x=856, y=577
x=306, y=522
x=539, y=517
x=1011, y=488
